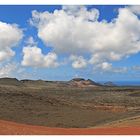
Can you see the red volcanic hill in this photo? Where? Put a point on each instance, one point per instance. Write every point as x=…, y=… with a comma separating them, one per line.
x=80, y=82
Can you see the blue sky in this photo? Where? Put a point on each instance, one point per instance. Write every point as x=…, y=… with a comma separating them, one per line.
x=67, y=60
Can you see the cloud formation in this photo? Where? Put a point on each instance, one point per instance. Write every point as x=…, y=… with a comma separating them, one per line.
x=74, y=30
x=107, y=67
x=78, y=62
x=135, y=9
x=7, y=69
x=10, y=35
x=33, y=56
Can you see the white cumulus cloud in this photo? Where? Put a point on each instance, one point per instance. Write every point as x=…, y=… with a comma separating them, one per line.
x=135, y=9
x=74, y=30
x=10, y=35
x=33, y=56
x=78, y=62
x=7, y=69
x=107, y=67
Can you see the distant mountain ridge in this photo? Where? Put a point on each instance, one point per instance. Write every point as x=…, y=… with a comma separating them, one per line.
x=77, y=82
x=109, y=83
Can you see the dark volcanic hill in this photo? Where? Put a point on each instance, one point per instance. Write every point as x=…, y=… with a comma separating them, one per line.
x=33, y=82
x=9, y=81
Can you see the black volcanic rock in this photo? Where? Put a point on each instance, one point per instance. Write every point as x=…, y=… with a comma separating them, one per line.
x=26, y=80
x=78, y=79
x=33, y=82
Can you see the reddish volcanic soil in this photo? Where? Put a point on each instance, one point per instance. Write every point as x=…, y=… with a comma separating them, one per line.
x=12, y=128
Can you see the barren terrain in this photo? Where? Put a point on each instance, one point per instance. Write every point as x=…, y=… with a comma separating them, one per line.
x=75, y=107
